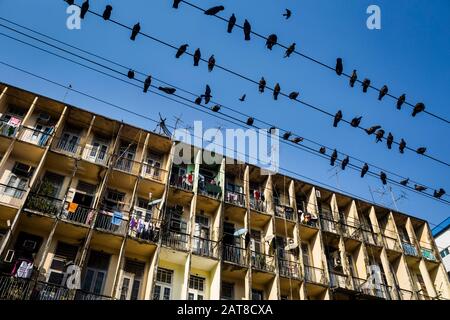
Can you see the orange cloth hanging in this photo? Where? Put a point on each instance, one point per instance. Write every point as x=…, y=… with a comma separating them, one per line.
x=73, y=207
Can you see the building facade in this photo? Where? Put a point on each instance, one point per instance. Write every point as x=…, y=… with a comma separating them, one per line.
x=79, y=191
x=441, y=234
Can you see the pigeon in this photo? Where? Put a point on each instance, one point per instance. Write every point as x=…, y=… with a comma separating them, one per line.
x=404, y=182
x=262, y=84
x=242, y=99
x=207, y=94
x=130, y=74
x=197, y=57
x=339, y=66
x=107, y=12
x=287, y=135
x=276, y=91
x=84, y=9
x=211, y=63
x=345, y=162
x=231, y=23
x=402, y=146
x=401, y=101
x=379, y=135
x=70, y=2
x=272, y=129
x=214, y=10
x=271, y=41
x=288, y=14
x=384, y=90
x=250, y=121
x=333, y=157
x=147, y=83
x=176, y=3
x=389, y=140
x=290, y=50
x=247, y=30
x=364, y=170
x=383, y=177
x=372, y=130
x=167, y=90
x=216, y=108
x=419, y=188
x=135, y=31
x=182, y=49
x=418, y=108
x=323, y=150
x=421, y=150
x=353, y=78
x=337, y=118
x=198, y=100
x=365, y=84
x=355, y=122
x=439, y=194
x=294, y=95
x=297, y=140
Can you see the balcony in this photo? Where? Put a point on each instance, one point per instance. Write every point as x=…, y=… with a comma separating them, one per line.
x=95, y=155
x=409, y=249
x=176, y=240
x=89, y=296
x=328, y=223
x=309, y=220
x=125, y=165
x=235, y=198
x=258, y=205
x=43, y=204
x=391, y=243
x=205, y=247
x=262, y=262
x=76, y=213
x=144, y=229
x=406, y=294
x=371, y=289
x=11, y=195
x=234, y=254
x=7, y=129
x=369, y=237
x=428, y=254
x=153, y=173
x=208, y=189
x=113, y=222
x=66, y=146
x=315, y=275
x=35, y=136
x=289, y=269
x=285, y=212
x=12, y=288
x=351, y=229
x=184, y=182
x=340, y=280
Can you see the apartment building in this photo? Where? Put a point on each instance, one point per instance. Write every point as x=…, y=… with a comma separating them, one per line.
x=441, y=233
x=79, y=189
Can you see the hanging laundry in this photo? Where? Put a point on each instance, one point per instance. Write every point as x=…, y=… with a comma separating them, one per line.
x=117, y=218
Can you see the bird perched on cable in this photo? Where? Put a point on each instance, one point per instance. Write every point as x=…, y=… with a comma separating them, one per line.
x=211, y=63
x=176, y=3
x=262, y=85
x=364, y=170
x=401, y=100
x=167, y=90
x=404, y=182
x=297, y=140
x=365, y=84
x=383, y=177
x=135, y=31
x=216, y=108
x=355, y=122
x=70, y=2
x=207, y=94
x=107, y=12
x=181, y=50
x=337, y=118
x=379, y=135
x=198, y=100
x=287, y=14
x=323, y=150
x=250, y=121
x=419, y=188
x=339, y=66
x=231, y=23
x=271, y=130
x=242, y=99
x=84, y=9
x=286, y=135
x=389, y=140
x=402, y=146
x=147, y=83
x=345, y=162
x=421, y=150
x=290, y=50
x=383, y=91
x=130, y=74
x=333, y=157
x=247, y=30
x=276, y=91
x=271, y=41
x=372, y=130
x=197, y=57
x=214, y=10
x=439, y=194
x=353, y=78
x=418, y=108
x=294, y=95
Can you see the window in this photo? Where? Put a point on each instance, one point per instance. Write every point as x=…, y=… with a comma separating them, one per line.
x=154, y=163
x=55, y=181
x=445, y=252
x=255, y=243
x=64, y=254
x=131, y=280
x=227, y=291
x=196, y=288
x=96, y=272
x=16, y=186
x=257, y=294
x=114, y=200
x=163, y=287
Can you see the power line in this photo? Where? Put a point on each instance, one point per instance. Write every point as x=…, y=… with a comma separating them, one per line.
x=317, y=62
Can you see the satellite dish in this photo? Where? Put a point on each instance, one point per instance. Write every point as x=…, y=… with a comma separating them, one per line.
x=291, y=246
x=269, y=238
x=240, y=232
x=152, y=203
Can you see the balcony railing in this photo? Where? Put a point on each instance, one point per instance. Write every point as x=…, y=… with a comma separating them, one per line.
x=391, y=243
x=428, y=254
x=35, y=136
x=406, y=294
x=234, y=254
x=185, y=182
x=126, y=165
x=328, y=223
x=285, y=212
x=153, y=173
x=409, y=249
x=376, y=290
x=308, y=219
x=144, y=229
x=114, y=222
x=339, y=280
x=83, y=295
x=176, y=240
x=12, y=288
x=205, y=247
x=289, y=269
x=66, y=146
x=8, y=130
x=43, y=204
x=11, y=195
x=236, y=198
x=209, y=189
x=77, y=213
x=262, y=262
x=315, y=275
x=95, y=154
x=258, y=205
x=369, y=237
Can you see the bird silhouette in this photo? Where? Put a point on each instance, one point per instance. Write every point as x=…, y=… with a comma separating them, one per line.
x=84, y=9
x=339, y=66
x=271, y=41
x=379, y=135
x=207, y=94
x=130, y=74
x=419, y=188
x=214, y=10
x=297, y=140
x=176, y=3
x=286, y=135
x=383, y=91
x=70, y=2
x=262, y=84
x=247, y=30
x=216, y=108
x=290, y=50
x=421, y=150
x=276, y=91
x=250, y=121
x=294, y=95
x=401, y=101
x=231, y=23
x=323, y=150
x=197, y=57
x=404, y=182
x=365, y=84
x=135, y=31
x=383, y=177
x=333, y=157
x=181, y=50
x=372, y=130
x=211, y=63
x=364, y=170
x=355, y=122
x=198, y=100
x=345, y=162
x=337, y=118
x=439, y=194
x=287, y=14
x=167, y=90
x=419, y=107
x=353, y=78
x=147, y=83
x=402, y=146
x=107, y=12
x=242, y=99
x=390, y=140
x=271, y=129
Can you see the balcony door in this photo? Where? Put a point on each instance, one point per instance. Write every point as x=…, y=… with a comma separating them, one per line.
x=153, y=165
x=40, y=134
x=96, y=272
x=68, y=142
x=202, y=235
x=98, y=151
x=131, y=280
x=163, y=286
x=196, y=288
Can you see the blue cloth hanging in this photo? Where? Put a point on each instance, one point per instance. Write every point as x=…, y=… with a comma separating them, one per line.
x=117, y=218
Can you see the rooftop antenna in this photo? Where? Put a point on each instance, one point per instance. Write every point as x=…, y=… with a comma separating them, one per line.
x=162, y=126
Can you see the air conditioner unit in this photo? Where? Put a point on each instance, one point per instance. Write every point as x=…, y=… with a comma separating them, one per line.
x=23, y=170
x=29, y=245
x=318, y=195
x=44, y=117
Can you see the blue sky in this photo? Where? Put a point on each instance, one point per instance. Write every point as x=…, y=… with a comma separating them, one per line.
x=410, y=54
